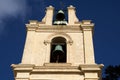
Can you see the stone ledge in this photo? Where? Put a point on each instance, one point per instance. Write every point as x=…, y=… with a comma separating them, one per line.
x=56, y=71
x=57, y=64
x=56, y=68
x=22, y=67
x=91, y=79
x=91, y=67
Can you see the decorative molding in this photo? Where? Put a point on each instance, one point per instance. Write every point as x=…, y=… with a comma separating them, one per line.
x=91, y=67
x=22, y=67
x=53, y=28
x=58, y=28
x=70, y=42
x=87, y=25
x=58, y=34
x=46, y=42
x=56, y=68
x=57, y=64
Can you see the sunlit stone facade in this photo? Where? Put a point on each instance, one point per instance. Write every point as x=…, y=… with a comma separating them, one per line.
x=79, y=52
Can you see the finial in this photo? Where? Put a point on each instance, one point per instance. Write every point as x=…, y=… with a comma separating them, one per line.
x=71, y=6
x=50, y=6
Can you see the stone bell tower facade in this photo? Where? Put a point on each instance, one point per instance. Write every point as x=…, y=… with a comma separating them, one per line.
x=58, y=49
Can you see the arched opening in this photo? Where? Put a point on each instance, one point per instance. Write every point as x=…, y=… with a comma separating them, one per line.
x=58, y=50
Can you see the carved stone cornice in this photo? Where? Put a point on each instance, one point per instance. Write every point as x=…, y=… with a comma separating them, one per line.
x=47, y=68
x=41, y=27
x=91, y=67
x=31, y=27
x=53, y=28
x=87, y=25
x=57, y=67
x=24, y=67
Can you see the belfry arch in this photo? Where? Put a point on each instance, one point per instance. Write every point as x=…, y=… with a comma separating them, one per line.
x=58, y=50
x=64, y=35
x=68, y=42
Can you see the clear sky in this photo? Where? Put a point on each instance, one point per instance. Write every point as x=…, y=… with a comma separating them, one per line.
x=14, y=14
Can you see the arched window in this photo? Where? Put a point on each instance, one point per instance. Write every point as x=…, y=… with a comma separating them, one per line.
x=58, y=50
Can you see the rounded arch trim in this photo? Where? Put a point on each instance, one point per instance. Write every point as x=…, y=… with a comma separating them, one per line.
x=64, y=35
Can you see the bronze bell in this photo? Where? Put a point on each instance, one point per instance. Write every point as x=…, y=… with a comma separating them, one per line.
x=60, y=15
x=58, y=53
x=60, y=18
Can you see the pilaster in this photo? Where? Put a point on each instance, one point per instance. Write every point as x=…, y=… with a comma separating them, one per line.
x=28, y=49
x=49, y=15
x=87, y=28
x=91, y=72
x=22, y=71
x=71, y=15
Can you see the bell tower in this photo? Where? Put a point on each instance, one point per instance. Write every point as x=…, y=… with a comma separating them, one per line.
x=58, y=49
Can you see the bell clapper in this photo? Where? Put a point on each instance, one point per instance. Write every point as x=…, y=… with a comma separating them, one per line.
x=57, y=60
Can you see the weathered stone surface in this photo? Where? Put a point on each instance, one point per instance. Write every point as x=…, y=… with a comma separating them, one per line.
x=80, y=63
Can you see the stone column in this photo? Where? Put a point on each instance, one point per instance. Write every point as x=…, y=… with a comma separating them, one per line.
x=87, y=27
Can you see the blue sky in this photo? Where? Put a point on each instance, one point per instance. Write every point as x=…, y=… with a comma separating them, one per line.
x=14, y=14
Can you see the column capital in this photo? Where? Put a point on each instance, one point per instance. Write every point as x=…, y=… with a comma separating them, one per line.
x=87, y=25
